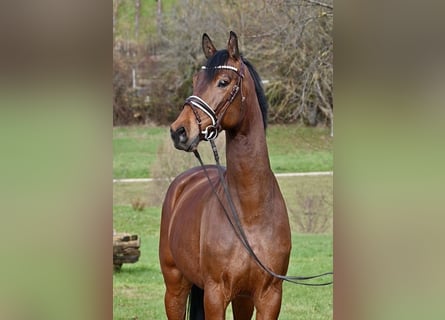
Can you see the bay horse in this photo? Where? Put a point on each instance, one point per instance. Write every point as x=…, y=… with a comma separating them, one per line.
x=200, y=253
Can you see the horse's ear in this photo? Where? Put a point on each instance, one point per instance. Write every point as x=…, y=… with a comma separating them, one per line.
x=207, y=46
x=232, y=46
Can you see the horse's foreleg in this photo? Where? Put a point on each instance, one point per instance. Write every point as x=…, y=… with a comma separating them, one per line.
x=215, y=303
x=268, y=304
x=242, y=308
x=177, y=290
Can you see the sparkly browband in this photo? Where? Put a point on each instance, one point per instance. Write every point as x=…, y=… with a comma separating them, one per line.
x=222, y=67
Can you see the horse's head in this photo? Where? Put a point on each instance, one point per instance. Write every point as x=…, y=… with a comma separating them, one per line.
x=216, y=103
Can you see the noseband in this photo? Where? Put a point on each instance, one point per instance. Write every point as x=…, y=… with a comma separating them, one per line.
x=211, y=131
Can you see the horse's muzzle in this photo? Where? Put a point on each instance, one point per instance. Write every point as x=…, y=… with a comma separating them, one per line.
x=181, y=140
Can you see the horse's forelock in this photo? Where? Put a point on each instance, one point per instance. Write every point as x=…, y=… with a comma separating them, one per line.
x=218, y=59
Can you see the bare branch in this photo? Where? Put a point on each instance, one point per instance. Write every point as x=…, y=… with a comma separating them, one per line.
x=321, y=4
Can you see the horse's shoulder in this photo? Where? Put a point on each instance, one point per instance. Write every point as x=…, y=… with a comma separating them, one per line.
x=191, y=182
x=196, y=175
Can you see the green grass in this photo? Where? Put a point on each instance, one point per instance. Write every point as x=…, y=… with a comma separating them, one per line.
x=138, y=289
x=296, y=148
x=147, y=21
x=135, y=150
x=292, y=148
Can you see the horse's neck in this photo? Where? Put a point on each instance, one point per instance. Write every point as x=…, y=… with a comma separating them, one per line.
x=248, y=167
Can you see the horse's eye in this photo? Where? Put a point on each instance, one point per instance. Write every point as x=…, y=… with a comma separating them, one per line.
x=223, y=83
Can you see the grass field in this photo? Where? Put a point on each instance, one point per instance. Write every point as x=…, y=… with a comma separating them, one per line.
x=292, y=148
x=138, y=289
x=147, y=25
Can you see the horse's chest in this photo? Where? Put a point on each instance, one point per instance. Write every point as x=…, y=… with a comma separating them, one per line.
x=222, y=244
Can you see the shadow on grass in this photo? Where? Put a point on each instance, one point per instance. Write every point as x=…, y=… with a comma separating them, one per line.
x=137, y=269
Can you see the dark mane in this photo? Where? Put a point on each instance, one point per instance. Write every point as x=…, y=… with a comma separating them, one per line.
x=220, y=58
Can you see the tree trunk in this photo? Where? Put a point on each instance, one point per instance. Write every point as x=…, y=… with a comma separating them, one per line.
x=137, y=14
x=159, y=17
x=116, y=4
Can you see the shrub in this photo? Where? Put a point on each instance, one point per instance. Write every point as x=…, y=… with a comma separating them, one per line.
x=313, y=214
x=138, y=204
x=171, y=162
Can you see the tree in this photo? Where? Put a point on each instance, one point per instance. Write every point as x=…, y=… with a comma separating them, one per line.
x=289, y=42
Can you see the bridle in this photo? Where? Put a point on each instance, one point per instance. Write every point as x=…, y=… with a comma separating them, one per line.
x=211, y=131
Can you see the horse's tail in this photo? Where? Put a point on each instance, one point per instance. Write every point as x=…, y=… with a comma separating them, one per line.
x=196, y=303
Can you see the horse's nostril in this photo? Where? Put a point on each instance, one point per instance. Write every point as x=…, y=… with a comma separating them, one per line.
x=181, y=131
x=179, y=136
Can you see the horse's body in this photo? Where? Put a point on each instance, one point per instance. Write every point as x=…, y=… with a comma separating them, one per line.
x=198, y=245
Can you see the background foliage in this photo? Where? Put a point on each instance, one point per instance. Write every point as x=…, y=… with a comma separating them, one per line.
x=289, y=42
